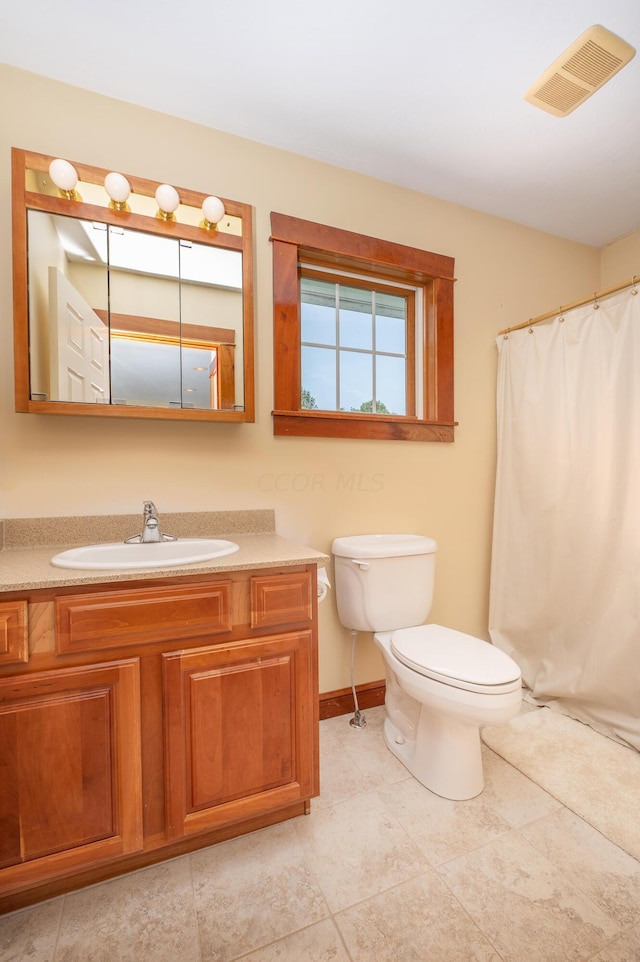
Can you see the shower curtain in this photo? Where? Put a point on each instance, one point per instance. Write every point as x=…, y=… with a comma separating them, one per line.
x=565, y=570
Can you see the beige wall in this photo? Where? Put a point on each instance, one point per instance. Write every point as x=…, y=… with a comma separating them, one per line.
x=621, y=260
x=319, y=488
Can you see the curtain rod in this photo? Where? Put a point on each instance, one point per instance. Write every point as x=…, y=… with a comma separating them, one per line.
x=569, y=307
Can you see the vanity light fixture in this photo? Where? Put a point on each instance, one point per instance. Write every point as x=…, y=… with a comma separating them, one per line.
x=167, y=199
x=118, y=188
x=213, y=212
x=65, y=177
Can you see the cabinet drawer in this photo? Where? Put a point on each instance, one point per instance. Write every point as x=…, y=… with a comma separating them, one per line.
x=281, y=599
x=110, y=619
x=13, y=632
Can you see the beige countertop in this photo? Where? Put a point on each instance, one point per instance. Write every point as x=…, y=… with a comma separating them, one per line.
x=30, y=543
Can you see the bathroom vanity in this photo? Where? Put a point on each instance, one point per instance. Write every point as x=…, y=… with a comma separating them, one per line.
x=147, y=713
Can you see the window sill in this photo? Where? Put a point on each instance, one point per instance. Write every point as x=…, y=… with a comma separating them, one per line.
x=334, y=424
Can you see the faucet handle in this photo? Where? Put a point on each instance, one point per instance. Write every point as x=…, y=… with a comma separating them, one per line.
x=150, y=510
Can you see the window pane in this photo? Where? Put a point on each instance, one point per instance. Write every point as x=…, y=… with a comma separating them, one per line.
x=145, y=374
x=197, y=377
x=391, y=388
x=356, y=320
x=317, y=311
x=342, y=315
x=319, y=378
x=314, y=291
x=356, y=380
x=391, y=314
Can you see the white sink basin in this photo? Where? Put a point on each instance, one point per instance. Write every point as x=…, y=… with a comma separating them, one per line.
x=163, y=554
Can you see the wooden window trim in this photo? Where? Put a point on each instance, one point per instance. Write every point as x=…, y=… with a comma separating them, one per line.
x=295, y=241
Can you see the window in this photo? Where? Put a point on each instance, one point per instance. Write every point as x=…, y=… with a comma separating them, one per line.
x=357, y=345
x=363, y=336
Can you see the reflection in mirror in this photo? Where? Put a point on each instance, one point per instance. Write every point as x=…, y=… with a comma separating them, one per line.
x=124, y=312
x=131, y=318
x=67, y=285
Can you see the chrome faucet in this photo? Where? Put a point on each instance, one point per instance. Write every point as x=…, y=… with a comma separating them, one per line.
x=150, y=527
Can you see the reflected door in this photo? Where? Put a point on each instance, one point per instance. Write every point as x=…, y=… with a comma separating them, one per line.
x=79, y=342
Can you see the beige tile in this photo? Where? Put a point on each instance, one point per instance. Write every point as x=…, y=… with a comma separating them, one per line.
x=517, y=877
x=527, y=908
x=418, y=921
x=318, y=943
x=368, y=751
x=337, y=725
x=354, y=760
x=253, y=890
x=594, y=864
x=625, y=949
x=339, y=777
x=440, y=827
x=511, y=794
x=30, y=933
x=358, y=849
x=146, y=915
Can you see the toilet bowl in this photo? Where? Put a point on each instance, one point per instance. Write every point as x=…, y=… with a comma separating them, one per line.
x=441, y=685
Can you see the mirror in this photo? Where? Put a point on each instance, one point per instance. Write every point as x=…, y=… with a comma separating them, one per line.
x=126, y=313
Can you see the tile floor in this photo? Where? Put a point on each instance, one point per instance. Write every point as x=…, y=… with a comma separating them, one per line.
x=381, y=871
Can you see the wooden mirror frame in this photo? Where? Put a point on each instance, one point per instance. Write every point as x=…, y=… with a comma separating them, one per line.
x=24, y=200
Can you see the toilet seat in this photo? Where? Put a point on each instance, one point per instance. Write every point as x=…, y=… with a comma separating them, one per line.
x=456, y=659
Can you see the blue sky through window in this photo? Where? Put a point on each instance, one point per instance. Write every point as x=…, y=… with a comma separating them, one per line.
x=351, y=338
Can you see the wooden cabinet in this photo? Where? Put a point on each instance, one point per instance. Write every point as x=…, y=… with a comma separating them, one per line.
x=164, y=716
x=13, y=632
x=71, y=775
x=281, y=599
x=237, y=730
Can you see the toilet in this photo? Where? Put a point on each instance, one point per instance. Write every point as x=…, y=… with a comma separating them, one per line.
x=441, y=685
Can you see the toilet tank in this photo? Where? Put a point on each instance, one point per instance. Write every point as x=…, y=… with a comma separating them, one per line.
x=384, y=581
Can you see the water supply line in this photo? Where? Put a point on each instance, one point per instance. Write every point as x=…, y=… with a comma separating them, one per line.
x=358, y=720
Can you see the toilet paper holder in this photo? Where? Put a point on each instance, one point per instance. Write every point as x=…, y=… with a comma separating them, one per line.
x=323, y=584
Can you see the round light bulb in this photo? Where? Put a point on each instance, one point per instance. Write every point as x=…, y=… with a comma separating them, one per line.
x=118, y=188
x=213, y=211
x=167, y=199
x=64, y=176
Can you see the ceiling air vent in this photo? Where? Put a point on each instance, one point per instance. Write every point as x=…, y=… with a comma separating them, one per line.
x=589, y=62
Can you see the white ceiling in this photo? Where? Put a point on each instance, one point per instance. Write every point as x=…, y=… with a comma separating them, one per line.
x=426, y=95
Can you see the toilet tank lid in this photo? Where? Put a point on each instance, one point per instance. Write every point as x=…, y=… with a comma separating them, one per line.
x=383, y=545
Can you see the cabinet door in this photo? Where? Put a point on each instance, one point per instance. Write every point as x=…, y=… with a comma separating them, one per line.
x=70, y=774
x=13, y=632
x=238, y=730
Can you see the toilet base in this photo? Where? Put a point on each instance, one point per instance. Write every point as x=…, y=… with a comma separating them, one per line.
x=434, y=729
x=445, y=756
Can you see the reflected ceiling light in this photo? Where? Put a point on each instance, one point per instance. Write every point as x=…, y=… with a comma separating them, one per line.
x=167, y=199
x=213, y=212
x=65, y=177
x=118, y=188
